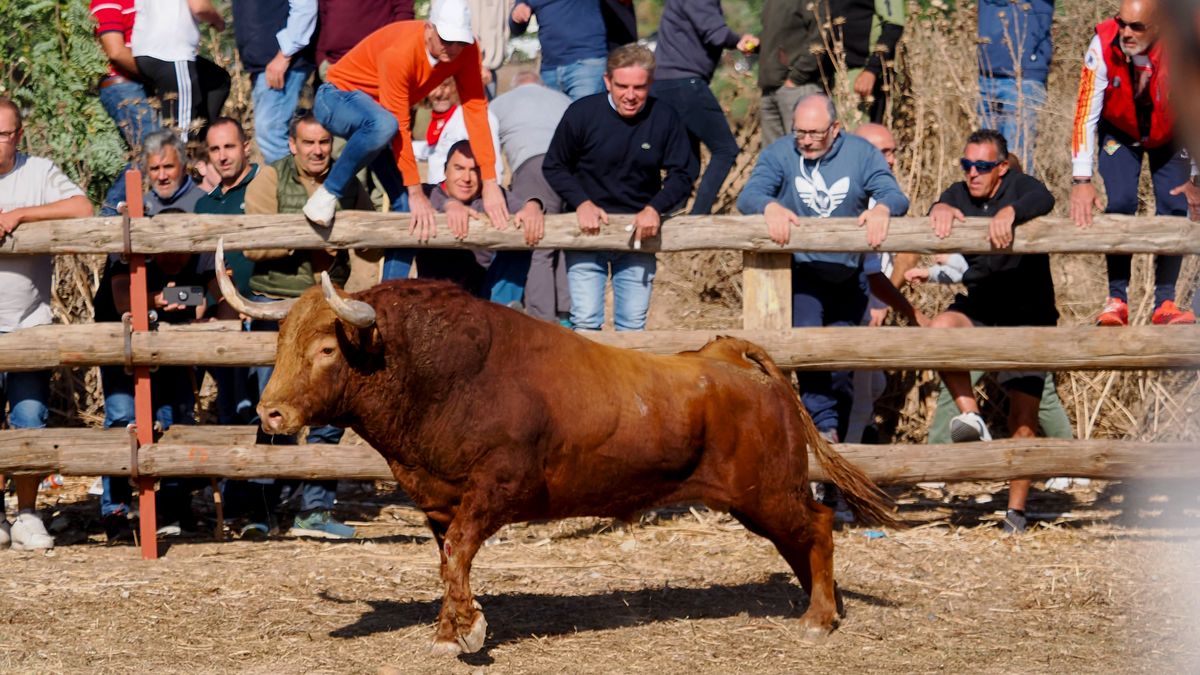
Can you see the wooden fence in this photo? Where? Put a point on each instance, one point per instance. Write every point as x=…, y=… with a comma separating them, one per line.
x=224, y=451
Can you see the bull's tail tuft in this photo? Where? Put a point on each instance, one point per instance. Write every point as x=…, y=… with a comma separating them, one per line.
x=869, y=503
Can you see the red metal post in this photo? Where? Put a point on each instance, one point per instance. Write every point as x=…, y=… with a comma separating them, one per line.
x=142, y=407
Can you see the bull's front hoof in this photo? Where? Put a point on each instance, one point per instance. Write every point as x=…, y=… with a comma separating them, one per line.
x=444, y=648
x=473, y=640
x=814, y=634
x=816, y=629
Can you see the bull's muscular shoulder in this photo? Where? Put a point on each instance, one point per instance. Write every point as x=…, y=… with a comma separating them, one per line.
x=435, y=323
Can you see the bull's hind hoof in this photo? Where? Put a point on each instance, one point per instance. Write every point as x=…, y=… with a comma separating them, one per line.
x=473, y=640
x=444, y=648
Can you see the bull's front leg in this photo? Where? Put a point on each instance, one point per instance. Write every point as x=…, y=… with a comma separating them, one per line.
x=461, y=625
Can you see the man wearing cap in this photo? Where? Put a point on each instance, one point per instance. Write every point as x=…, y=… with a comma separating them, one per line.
x=367, y=100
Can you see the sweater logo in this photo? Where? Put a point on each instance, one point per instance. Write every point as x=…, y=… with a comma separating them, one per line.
x=821, y=198
x=645, y=146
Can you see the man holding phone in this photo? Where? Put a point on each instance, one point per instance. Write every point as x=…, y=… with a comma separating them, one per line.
x=176, y=283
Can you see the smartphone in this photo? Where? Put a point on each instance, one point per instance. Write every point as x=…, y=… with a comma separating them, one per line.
x=184, y=295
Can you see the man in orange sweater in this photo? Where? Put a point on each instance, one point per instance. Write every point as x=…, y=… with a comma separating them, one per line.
x=367, y=100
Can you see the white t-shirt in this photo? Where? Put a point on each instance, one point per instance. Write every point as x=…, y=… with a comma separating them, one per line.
x=25, y=280
x=165, y=30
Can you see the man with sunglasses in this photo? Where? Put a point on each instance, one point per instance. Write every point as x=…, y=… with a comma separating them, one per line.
x=823, y=173
x=1123, y=96
x=1002, y=290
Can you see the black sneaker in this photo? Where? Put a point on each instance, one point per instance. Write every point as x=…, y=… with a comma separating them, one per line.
x=1014, y=522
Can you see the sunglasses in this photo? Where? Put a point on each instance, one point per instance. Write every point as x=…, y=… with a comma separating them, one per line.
x=982, y=166
x=1135, y=26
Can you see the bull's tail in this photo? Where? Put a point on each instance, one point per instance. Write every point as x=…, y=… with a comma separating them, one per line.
x=870, y=504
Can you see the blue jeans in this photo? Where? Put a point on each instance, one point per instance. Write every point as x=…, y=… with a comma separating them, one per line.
x=632, y=276
x=695, y=104
x=824, y=294
x=368, y=129
x=173, y=401
x=273, y=109
x=1120, y=165
x=506, y=276
x=398, y=262
x=126, y=104
x=581, y=78
x=1013, y=112
x=27, y=394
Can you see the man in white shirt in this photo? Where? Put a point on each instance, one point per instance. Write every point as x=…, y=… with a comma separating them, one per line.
x=31, y=189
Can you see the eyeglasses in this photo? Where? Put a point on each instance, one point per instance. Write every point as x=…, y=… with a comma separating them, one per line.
x=801, y=134
x=980, y=165
x=7, y=136
x=1135, y=26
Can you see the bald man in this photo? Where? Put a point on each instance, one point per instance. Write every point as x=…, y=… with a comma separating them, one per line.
x=1122, y=111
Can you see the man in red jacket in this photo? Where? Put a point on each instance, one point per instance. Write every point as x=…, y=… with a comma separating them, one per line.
x=1123, y=95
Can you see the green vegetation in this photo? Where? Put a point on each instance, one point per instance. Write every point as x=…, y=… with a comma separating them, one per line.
x=49, y=65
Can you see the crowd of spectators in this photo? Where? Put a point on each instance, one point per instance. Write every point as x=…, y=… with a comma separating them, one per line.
x=605, y=126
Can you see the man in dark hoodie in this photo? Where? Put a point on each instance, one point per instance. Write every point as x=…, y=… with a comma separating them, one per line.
x=1002, y=290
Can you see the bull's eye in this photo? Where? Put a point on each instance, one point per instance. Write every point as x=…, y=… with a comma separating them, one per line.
x=327, y=351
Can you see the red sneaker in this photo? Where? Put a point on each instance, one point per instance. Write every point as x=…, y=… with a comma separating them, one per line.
x=1169, y=313
x=1115, y=313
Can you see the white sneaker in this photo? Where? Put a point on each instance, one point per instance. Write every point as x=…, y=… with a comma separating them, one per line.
x=320, y=207
x=29, y=534
x=968, y=427
x=5, y=537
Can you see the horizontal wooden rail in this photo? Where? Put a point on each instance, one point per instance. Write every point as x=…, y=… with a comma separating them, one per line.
x=230, y=452
x=856, y=348
x=358, y=229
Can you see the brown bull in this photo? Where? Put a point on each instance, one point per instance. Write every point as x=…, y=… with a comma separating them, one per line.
x=487, y=417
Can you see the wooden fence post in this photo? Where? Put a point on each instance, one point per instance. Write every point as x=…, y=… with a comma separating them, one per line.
x=142, y=408
x=766, y=291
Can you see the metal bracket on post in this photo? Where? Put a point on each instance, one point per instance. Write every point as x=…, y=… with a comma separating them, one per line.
x=133, y=454
x=127, y=332
x=126, y=233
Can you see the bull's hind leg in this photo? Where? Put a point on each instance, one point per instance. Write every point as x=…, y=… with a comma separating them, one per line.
x=802, y=531
x=461, y=626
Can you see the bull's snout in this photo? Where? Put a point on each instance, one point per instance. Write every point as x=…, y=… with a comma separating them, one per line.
x=274, y=421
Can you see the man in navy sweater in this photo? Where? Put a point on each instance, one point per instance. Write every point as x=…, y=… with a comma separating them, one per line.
x=691, y=38
x=1002, y=290
x=608, y=155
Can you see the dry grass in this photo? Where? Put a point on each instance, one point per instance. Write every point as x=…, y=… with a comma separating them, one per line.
x=682, y=591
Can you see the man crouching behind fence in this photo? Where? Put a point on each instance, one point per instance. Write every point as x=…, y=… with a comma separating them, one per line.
x=31, y=189
x=1002, y=290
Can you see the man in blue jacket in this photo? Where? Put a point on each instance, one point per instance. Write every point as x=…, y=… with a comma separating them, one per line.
x=823, y=173
x=1014, y=38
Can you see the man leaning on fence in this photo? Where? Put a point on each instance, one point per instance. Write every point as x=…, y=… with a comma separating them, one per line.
x=31, y=189
x=228, y=150
x=824, y=173
x=1002, y=290
x=620, y=152
x=283, y=187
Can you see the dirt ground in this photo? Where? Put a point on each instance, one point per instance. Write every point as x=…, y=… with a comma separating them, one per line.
x=1105, y=582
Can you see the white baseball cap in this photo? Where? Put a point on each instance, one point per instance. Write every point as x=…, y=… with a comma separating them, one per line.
x=452, y=19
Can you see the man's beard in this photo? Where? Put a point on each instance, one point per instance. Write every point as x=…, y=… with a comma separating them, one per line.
x=1139, y=47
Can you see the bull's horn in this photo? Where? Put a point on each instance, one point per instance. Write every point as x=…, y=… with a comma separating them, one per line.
x=268, y=311
x=354, y=312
